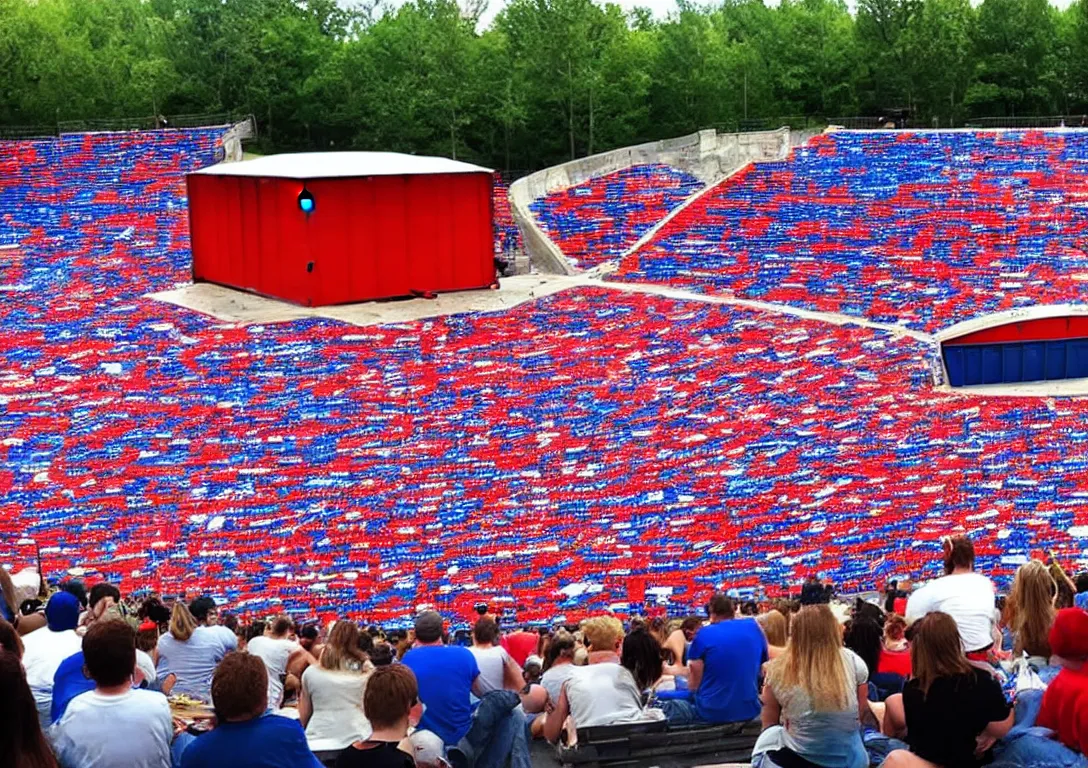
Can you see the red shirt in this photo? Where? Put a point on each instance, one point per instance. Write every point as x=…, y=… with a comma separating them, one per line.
x=899, y=605
x=520, y=645
x=1065, y=708
x=895, y=662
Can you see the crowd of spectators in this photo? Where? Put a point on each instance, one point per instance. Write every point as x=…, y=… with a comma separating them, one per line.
x=949, y=674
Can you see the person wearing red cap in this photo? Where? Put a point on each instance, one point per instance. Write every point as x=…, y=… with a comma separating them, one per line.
x=1065, y=702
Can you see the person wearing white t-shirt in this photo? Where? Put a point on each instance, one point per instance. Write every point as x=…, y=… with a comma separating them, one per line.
x=603, y=692
x=115, y=724
x=187, y=655
x=330, y=701
x=498, y=670
x=44, y=649
x=206, y=613
x=280, y=655
x=966, y=596
x=558, y=664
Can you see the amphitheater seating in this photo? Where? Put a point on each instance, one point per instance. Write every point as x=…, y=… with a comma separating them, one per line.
x=507, y=234
x=919, y=229
x=599, y=219
x=648, y=743
x=595, y=449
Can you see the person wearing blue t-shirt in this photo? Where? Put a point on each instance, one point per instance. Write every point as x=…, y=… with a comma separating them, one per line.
x=490, y=735
x=725, y=660
x=447, y=676
x=244, y=734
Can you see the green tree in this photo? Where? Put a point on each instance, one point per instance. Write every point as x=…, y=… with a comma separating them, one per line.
x=938, y=57
x=1016, y=43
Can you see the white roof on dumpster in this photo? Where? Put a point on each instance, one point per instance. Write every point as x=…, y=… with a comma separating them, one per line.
x=327, y=165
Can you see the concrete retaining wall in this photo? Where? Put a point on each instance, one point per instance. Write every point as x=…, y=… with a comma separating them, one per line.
x=232, y=140
x=707, y=155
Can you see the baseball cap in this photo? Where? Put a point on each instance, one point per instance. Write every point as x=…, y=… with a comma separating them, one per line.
x=62, y=611
x=429, y=749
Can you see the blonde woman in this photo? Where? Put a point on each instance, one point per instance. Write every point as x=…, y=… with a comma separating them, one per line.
x=1031, y=611
x=603, y=692
x=814, y=696
x=186, y=656
x=330, y=704
x=775, y=627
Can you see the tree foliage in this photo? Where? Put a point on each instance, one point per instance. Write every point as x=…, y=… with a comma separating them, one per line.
x=546, y=80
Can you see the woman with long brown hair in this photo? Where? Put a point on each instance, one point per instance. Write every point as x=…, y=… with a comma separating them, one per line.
x=1031, y=610
x=950, y=712
x=22, y=744
x=814, y=698
x=330, y=704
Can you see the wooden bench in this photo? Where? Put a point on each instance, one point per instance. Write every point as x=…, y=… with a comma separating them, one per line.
x=631, y=744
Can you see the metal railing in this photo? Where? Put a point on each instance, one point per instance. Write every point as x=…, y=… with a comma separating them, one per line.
x=1048, y=121
x=147, y=123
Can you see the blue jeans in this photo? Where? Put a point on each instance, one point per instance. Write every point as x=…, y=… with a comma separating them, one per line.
x=1029, y=746
x=680, y=712
x=181, y=741
x=498, y=733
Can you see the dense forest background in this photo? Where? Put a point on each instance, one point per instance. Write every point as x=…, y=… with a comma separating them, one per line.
x=546, y=81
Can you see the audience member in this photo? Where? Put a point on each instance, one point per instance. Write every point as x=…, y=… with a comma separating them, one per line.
x=966, y=596
x=815, y=592
x=895, y=599
x=22, y=744
x=72, y=678
x=147, y=636
x=382, y=655
x=331, y=697
x=1031, y=611
x=658, y=627
x=75, y=588
x=1080, y=600
x=520, y=644
x=153, y=610
x=308, y=639
x=498, y=670
x=206, y=614
x=447, y=676
x=558, y=664
x=45, y=649
x=724, y=660
x=280, y=655
x=1066, y=589
x=950, y=712
x=815, y=696
x=603, y=692
x=102, y=597
x=895, y=650
x=775, y=628
x=1065, y=703
x=9, y=604
x=641, y=657
x=679, y=642
x=244, y=733
x=9, y=639
x=187, y=655
x=138, y=723
x=864, y=636
x=391, y=704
